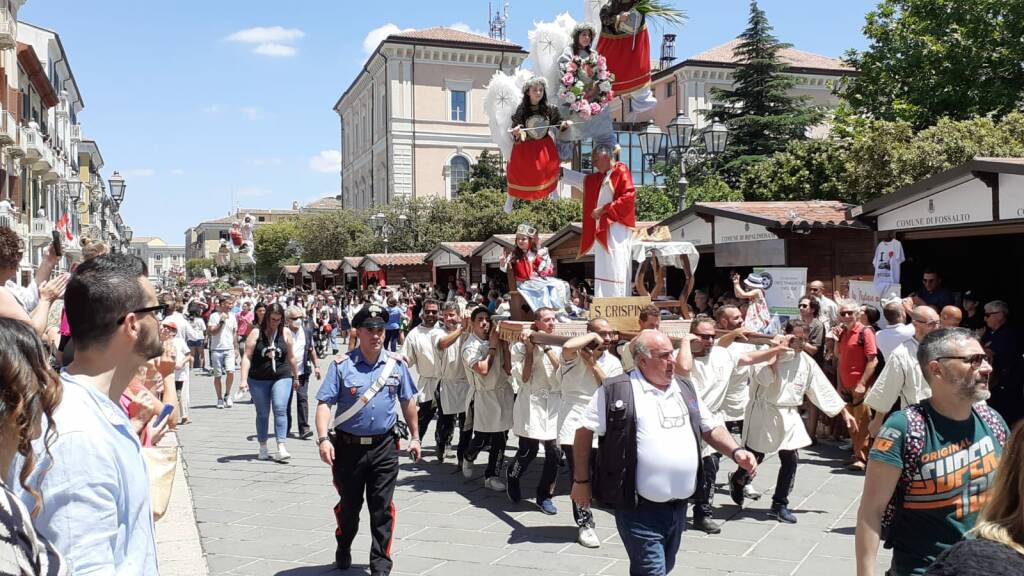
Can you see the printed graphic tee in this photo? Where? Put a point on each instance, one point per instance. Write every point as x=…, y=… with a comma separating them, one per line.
x=888, y=257
x=956, y=469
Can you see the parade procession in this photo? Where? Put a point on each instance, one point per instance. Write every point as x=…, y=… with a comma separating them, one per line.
x=574, y=305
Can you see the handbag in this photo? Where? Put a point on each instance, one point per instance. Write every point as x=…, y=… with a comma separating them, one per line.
x=161, y=464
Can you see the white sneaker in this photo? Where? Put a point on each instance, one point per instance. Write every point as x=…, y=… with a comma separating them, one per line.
x=220, y=403
x=467, y=469
x=228, y=403
x=750, y=493
x=264, y=454
x=282, y=453
x=588, y=537
x=494, y=483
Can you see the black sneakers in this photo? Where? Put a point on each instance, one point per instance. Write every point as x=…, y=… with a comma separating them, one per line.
x=343, y=558
x=512, y=484
x=782, y=514
x=706, y=524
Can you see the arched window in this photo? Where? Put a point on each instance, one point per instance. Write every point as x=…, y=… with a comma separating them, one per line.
x=458, y=173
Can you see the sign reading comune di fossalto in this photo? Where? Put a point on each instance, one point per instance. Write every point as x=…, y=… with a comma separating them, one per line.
x=965, y=203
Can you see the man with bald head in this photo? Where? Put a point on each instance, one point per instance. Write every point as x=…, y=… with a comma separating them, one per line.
x=653, y=424
x=950, y=317
x=829, y=309
x=901, y=378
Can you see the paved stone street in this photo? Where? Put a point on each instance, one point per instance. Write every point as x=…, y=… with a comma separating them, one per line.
x=260, y=518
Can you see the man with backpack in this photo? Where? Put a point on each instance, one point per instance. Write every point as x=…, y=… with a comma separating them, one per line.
x=933, y=462
x=858, y=362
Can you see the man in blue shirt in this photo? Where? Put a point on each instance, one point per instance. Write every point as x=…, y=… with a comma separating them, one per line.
x=363, y=453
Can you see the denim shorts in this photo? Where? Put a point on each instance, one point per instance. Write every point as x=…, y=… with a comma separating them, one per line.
x=223, y=361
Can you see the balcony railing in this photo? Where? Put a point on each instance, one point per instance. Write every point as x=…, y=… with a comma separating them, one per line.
x=8, y=129
x=38, y=152
x=76, y=132
x=12, y=220
x=8, y=28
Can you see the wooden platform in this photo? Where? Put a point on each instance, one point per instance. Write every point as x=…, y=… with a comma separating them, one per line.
x=513, y=331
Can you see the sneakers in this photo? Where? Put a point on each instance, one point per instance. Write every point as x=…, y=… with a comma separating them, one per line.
x=588, y=537
x=467, y=469
x=848, y=445
x=547, y=506
x=282, y=453
x=706, y=524
x=228, y=403
x=264, y=454
x=306, y=435
x=220, y=403
x=782, y=514
x=512, y=486
x=493, y=483
x=185, y=420
x=751, y=493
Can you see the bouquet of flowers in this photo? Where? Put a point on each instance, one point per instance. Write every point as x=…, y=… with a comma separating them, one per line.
x=586, y=85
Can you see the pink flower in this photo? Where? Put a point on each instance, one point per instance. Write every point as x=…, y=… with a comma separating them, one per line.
x=571, y=67
x=595, y=108
x=567, y=79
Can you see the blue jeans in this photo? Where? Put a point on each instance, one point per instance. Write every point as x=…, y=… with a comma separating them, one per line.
x=267, y=392
x=651, y=536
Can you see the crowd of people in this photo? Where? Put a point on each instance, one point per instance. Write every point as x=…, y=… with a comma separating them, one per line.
x=638, y=424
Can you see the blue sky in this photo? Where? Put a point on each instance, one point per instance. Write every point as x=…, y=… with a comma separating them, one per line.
x=204, y=104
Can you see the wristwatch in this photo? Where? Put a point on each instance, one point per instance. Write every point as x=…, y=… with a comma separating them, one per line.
x=321, y=440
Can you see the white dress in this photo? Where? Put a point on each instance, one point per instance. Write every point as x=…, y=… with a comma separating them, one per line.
x=420, y=349
x=777, y=391
x=454, y=384
x=578, y=385
x=536, y=409
x=491, y=395
x=612, y=267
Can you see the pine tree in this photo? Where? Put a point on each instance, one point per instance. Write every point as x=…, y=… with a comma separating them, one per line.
x=760, y=112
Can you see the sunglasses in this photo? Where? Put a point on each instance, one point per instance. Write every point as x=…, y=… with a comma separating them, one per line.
x=932, y=323
x=848, y=313
x=975, y=360
x=987, y=314
x=706, y=337
x=158, y=308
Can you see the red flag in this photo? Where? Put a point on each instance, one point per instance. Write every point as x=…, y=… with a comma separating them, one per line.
x=62, y=226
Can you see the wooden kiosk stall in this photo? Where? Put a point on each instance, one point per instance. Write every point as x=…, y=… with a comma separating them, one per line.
x=451, y=260
x=290, y=275
x=328, y=272
x=966, y=223
x=350, y=271
x=394, y=268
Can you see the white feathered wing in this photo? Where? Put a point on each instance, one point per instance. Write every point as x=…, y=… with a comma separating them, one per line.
x=500, y=101
x=547, y=42
x=592, y=15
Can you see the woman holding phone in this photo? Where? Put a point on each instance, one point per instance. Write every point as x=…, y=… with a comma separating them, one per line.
x=269, y=370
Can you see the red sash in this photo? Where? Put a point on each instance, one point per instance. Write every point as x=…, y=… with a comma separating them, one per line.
x=621, y=209
x=630, y=61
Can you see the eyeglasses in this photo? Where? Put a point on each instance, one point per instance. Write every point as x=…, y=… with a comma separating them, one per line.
x=706, y=337
x=987, y=314
x=672, y=414
x=975, y=360
x=848, y=312
x=804, y=305
x=158, y=308
x=931, y=323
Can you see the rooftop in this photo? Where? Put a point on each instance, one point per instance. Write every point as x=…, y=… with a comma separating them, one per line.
x=795, y=213
x=399, y=259
x=726, y=54
x=442, y=34
x=325, y=203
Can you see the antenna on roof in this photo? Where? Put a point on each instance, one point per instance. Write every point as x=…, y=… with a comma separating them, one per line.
x=498, y=22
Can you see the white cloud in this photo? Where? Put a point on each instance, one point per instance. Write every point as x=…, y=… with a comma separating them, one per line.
x=272, y=161
x=252, y=192
x=275, y=50
x=252, y=112
x=463, y=27
x=140, y=172
x=377, y=35
x=266, y=35
x=177, y=172
x=273, y=41
x=327, y=161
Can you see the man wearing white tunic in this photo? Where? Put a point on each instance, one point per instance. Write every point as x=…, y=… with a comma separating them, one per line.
x=609, y=215
x=453, y=393
x=420, y=350
x=485, y=358
x=709, y=368
x=586, y=362
x=535, y=415
x=902, y=378
x=773, y=422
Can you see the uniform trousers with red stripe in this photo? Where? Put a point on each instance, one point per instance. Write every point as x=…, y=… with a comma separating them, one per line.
x=370, y=469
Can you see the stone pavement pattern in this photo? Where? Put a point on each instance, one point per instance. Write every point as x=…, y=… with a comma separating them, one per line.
x=260, y=518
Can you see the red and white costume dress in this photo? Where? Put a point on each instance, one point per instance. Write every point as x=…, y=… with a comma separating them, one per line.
x=627, y=49
x=538, y=289
x=608, y=238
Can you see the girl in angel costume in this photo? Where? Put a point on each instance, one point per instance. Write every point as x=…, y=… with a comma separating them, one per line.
x=534, y=274
x=534, y=168
x=585, y=93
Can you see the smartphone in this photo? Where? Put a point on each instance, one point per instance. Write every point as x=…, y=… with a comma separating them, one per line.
x=168, y=408
x=57, y=248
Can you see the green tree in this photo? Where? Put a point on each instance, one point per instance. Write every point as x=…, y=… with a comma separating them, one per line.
x=760, y=112
x=932, y=59
x=805, y=170
x=276, y=245
x=712, y=189
x=488, y=173
x=654, y=204
x=333, y=235
x=194, y=266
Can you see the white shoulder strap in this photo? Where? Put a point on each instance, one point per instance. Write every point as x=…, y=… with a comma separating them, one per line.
x=389, y=367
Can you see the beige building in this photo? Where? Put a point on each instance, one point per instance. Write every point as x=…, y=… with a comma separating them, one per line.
x=203, y=239
x=166, y=263
x=412, y=121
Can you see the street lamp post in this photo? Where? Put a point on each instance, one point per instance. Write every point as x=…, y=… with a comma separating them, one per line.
x=678, y=143
x=383, y=229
